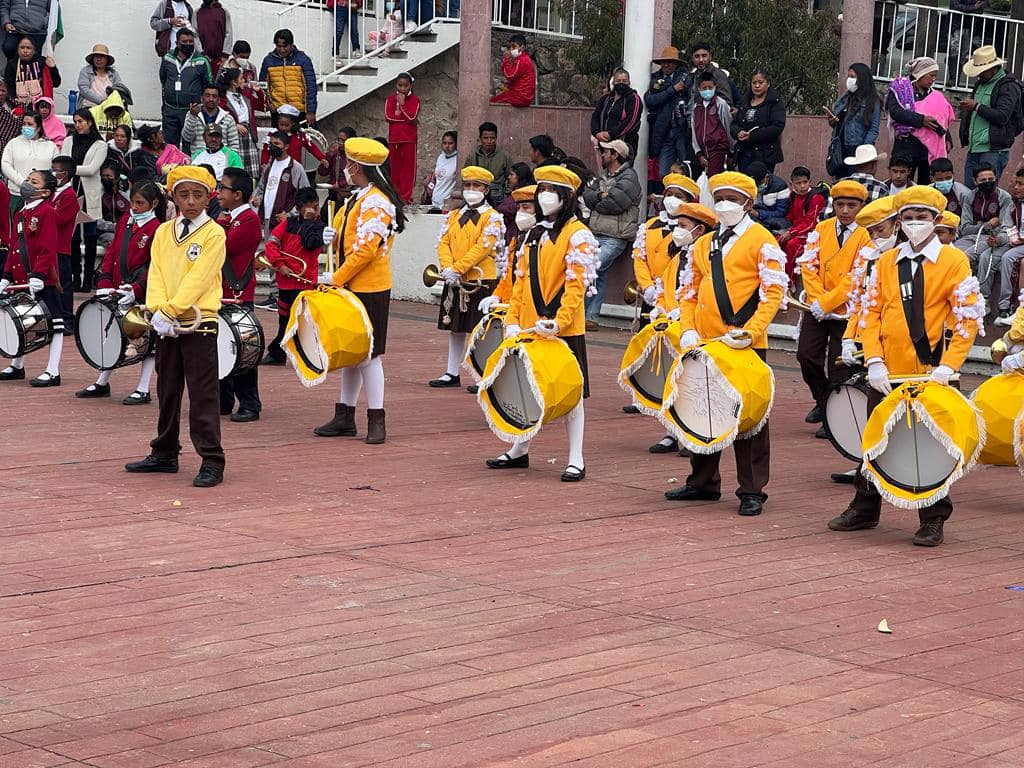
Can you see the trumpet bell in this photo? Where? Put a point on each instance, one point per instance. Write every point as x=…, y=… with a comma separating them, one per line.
x=263, y=262
x=431, y=275
x=631, y=293
x=794, y=302
x=999, y=350
x=135, y=324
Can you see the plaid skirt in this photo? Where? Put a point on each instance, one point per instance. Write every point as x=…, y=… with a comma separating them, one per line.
x=249, y=151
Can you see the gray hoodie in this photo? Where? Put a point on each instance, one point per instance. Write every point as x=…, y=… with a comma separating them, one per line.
x=29, y=18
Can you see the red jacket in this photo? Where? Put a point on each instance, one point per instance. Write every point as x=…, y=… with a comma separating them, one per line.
x=281, y=247
x=39, y=227
x=139, y=242
x=66, y=206
x=299, y=140
x=244, y=234
x=520, y=81
x=402, y=121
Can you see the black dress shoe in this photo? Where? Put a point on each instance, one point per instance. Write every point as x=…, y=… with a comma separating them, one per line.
x=208, y=477
x=244, y=415
x=153, y=464
x=689, y=493
x=270, y=359
x=445, y=381
x=685, y=453
x=630, y=409
x=94, y=390
x=12, y=374
x=507, y=462
x=929, y=534
x=843, y=478
x=750, y=506
x=573, y=474
x=661, y=447
x=852, y=520
x=814, y=416
x=473, y=389
x=137, y=398
x=821, y=434
x=45, y=380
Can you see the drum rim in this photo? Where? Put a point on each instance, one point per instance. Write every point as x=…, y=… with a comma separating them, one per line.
x=238, y=309
x=43, y=340
x=111, y=304
x=486, y=322
x=860, y=384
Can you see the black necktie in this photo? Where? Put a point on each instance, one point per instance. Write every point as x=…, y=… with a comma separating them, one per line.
x=184, y=228
x=725, y=236
x=842, y=235
x=917, y=329
x=470, y=214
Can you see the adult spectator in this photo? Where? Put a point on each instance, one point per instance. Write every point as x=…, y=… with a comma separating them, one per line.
x=345, y=11
x=543, y=151
x=520, y=75
x=771, y=206
x=1012, y=256
x=88, y=149
x=402, y=113
x=97, y=77
x=860, y=167
x=114, y=202
x=207, y=112
x=700, y=56
x=29, y=75
x=710, y=127
x=289, y=75
x=238, y=102
x=124, y=150
x=169, y=19
x=987, y=219
x=613, y=197
x=617, y=114
x=519, y=176
x=26, y=152
x=24, y=18
x=920, y=117
x=664, y=94
x=489, y=155
x=183, y=76
x=758, y=124
x=215, y=153
x=53, y=127
x=110, y=113
x=441, y=181
x=163, y=155
x=213, y=26
x=856, y=115
x=417, y=12
x=987, y=119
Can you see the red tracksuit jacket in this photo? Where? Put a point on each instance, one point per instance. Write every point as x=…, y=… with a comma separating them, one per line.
x=139, y=242
x=283, y=244
x=244, y=234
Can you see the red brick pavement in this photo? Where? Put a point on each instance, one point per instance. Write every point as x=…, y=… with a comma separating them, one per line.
x=335, y=604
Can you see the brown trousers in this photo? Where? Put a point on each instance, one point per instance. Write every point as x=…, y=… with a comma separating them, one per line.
x=191, y=361
x=753, y=459
x=820, y=343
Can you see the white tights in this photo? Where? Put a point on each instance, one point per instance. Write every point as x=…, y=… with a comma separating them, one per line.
x=52, y=362
x=145, y=375
x=369, y=374
x=574, y=423
x=456, y=352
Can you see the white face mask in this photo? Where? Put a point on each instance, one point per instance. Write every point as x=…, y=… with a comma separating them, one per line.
x=851, y=84
x=917, y=231
x=550, y=203
x=348, y=177
x=514, y=53
x=473, y=197
x=885, y=243
x=525, y=220
x=729, y=213
x=682, y=237
x=672, y=206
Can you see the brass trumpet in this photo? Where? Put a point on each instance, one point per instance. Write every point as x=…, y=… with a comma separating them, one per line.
x=137, y=322
x=1000, y=349
x=432, y=276
x=796, y=303
x=264, y=263
x=631, y=293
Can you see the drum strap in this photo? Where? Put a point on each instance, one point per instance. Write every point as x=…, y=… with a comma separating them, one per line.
x=739, y=318
x=349, y=205
x=231, y=278
x=543, y=310
x=23, y=250
x=122, y=259
x=912, y=295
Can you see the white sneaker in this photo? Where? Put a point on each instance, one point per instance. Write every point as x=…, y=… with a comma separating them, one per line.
x=1004, y=319
x=410, y=27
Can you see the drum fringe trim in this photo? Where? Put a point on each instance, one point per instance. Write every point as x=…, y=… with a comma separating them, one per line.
x=486, y=383
x=756, y=430
x=726, y=385
x=964, y=465
x=1018, y=440
x=293, y=328
x=636, y=365
x=473, y=339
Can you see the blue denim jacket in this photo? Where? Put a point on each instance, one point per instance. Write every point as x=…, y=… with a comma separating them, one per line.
x=854, y=133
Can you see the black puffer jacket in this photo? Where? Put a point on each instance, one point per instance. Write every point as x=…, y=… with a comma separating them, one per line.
x=769, y=117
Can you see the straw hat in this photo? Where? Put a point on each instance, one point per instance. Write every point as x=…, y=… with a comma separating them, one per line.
x=101, y=49
x=982, y=59
x=669, y=53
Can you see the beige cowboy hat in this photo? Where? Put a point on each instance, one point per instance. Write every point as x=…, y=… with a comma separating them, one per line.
x=865, y=153
x=101, y=49
x=668, y=53
x=981, y=60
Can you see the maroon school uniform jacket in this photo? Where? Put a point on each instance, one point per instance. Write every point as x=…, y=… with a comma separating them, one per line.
x=38, y=227
x=66, y=206
x=244, y=234
x=127, y=257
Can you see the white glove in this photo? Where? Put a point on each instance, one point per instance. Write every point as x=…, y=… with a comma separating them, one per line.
x=163, y=325
x=450, y=276
x=547, y=327
x=651, y=294
x=656, y=312
x=849, y=352
x=878, y=377
x=327, y=278
x=329, y=234
x=105, y=291
x=942, y=374
x=105, y=226
x=512, y=330
x=4, y=284
x=35, y=285
x=737, y=339
x=817, y=312
x=1013, y=363
x=127, y=295
x=673, y=315
x=488, y=303
x=689, y=339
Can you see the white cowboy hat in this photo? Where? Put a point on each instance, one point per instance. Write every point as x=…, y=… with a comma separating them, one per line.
x=982, y=59
x=865, y=153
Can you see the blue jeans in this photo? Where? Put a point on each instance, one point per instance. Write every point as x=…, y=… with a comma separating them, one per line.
x=609, y=249
x=340, y=22
x=668, y=154
x=997, y=159
x=419, y=11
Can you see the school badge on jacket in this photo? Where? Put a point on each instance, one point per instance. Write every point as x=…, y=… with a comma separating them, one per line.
x=193, y=251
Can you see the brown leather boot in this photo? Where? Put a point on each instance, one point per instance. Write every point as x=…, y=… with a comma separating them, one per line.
x=375, y=432
x=342, y=425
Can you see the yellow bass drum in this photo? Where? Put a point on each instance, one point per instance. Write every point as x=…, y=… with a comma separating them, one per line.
x=1001, y=402
x=327, y=329
x=646, y=363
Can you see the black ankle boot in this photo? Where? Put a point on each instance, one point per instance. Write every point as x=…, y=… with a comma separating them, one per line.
x=342, y=425
x=375, y=432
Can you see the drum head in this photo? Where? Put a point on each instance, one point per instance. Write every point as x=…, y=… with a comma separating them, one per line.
x=306, y=345
x=98, y=335
x=512, y=396
x=227, y=348
x=846, y=413
x=702, y=408
x=485, y=346
x=649, y=379
x=913, y=459
x=10, y=332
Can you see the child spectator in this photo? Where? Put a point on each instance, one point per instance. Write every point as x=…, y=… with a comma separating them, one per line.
x=441, y=182
x=942, y=179
x=805, y=206
x=401, y=110
x=900, y=169
x=520, y=75
x=1012, y=257
x=710, y=124
x=771, y=206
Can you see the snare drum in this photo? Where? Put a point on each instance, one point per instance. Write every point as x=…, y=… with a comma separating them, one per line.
x=715, y=394
x=100, y=337
x=327, y=330
x=918, y=441
x=1001, y=402
x=846, y=413
x=240, y=341
x=25, y=325
x=529, y=381
x=485, y=340
x=646, y=363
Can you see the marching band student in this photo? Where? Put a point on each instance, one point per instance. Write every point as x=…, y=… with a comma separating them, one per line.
x=526, y=219
x=66, y=206
x=366, y=228
x=123, y=271
x=825, y=267
x=471, y=247
x=561, y=253
x=243, y=234
x=185, y=270
x=947, y=227
x=295, y=246
x=917, y=292
x=692, y=222
x=298, y=140
x=32, y=259
x=737, y=280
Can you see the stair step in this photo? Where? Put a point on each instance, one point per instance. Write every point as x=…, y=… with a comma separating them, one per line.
x=337, y=86
x=362, y=71
x=422, y=37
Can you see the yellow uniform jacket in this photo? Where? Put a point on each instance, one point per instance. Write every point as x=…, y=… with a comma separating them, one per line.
x=186, y=272
x=826, y=266
x=365, y=228
x=863, y=265
x=650, y=250
x=503, y=290
x=474, y=249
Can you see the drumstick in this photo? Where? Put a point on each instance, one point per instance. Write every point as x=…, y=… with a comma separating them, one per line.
x=917, y=379
x=330, y=245
x=17, y=287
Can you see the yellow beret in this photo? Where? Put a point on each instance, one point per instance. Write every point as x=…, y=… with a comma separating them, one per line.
x=525, y=194
x=733, y=180
x=849, y=189
x=949, y=220
x=557, y=175
x=921, y=196
x=876, y=212
x=700, y=213
x=685, y=183
x=476, y=173
x=366, y=151
x=193, y=173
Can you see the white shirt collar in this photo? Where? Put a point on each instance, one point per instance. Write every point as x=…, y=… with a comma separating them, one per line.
x=236, y=212
x=484, y=207
x=61, y=188
x=930, y=251
x=745, y=223
x=194, y=224
x=33, y=204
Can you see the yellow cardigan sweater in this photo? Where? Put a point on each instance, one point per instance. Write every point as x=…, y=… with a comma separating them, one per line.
x=826, y=267
x=480, y=245
x=186, y=272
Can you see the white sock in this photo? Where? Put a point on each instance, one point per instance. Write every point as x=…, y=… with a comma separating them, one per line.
x=456, y=352
x=373, y=380
x=667, y=440
x=351, y=383
x=574, y=423
x=103, y=378
x=56, y=346
x=518, y=449
x=148, y=366
x=18, y=363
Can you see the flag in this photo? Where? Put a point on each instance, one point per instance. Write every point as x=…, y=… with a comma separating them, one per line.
x=54, y=29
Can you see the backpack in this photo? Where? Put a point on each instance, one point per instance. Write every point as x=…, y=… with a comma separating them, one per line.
x=1017, y=118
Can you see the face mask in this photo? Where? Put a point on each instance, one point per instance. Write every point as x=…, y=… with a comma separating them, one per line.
x=348, y=177
x=708, y=95
x=621, y=88
x=28, y=192
x=672, y=206
x=275, y=151
x=917, y=231
x=851, y=84
x=945, y=186
x=473, y=197
x=986, y=187
x=729, y=213
x=514, y=53
x=187, y=49
x=885, y=243
x=525, y=220
x=141, y=218
x=28, y=133
x=549, y=202
x=682, y=237
x=390, y=7
x=108, y=185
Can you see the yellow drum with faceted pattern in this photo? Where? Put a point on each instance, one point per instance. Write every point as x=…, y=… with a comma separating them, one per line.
x=646, y=363
x=327, y=329
x=1001, y=402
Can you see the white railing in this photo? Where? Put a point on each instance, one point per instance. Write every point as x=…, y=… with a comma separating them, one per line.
x=904, y=32
x=537, y=16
